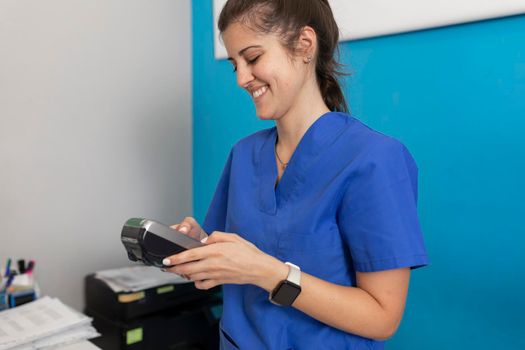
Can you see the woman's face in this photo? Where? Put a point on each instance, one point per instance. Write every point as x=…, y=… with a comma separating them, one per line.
x=265, y=69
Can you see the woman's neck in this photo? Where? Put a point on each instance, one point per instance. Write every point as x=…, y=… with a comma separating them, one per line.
x=293, y=125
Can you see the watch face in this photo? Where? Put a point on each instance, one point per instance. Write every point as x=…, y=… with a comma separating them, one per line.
x=285, y=293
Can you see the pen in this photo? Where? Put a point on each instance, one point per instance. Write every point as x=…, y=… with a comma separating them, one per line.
x=22, y=266
x=7, y=267
x=30, y=267
x=9, y=281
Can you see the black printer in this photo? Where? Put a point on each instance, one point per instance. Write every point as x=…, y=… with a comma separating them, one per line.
x=173, y=316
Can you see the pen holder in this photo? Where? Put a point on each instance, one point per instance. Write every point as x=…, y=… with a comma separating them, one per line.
x=3, y=301
x=23, y=290
x=21, y=297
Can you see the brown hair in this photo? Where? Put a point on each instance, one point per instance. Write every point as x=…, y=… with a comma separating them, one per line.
x=287, y=18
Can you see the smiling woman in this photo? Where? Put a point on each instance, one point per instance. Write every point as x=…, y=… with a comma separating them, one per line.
x=287, y=45
x=317, y=214
x=277, y=82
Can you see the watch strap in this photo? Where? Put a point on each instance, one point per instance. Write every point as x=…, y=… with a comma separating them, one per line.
x=294, y=274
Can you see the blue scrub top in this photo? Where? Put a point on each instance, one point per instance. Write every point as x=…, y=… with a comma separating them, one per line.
x=345, y=203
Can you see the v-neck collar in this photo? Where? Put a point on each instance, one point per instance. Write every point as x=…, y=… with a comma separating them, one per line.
x=322, y=133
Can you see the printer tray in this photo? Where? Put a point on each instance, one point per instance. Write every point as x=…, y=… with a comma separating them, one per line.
x=101, y=299
x=193, y=326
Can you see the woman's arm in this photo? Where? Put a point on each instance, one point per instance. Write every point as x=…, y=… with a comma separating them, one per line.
x=373, y=309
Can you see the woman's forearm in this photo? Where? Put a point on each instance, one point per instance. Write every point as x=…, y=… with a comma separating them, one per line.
x=351, y=309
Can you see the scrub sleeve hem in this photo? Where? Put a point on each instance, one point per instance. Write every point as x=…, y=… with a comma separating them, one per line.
x=412, y=261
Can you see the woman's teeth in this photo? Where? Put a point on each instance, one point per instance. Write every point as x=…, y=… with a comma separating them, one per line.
x=259, y=92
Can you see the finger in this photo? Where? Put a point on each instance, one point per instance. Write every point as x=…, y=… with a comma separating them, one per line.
x=203, y=236
x=206, y=275
x=188, y=268
x=190, y=227
x=218, y=236
x=190, y=223
x=206, y=284
x=193, y=232
x=187, y=229
x=189, y=255
x=183, y=276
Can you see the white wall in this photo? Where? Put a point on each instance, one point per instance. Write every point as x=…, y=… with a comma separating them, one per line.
x=95, y=127
x=358, y=19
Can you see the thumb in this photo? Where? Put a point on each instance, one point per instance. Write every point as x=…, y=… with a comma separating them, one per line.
x=189, y=226
x=217, y=237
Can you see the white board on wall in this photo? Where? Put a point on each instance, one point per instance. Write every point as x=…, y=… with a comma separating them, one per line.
x=358, y=19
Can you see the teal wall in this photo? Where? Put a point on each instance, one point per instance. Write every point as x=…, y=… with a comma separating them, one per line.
x=456, y=97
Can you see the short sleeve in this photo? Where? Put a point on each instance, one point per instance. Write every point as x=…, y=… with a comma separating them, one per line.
x=216, y=216
x=378, y=213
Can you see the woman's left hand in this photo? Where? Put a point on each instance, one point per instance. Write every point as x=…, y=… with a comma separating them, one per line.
x=228, y=259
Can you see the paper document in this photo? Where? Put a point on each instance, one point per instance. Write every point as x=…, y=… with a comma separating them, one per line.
x=136, y=278
x=43, y=323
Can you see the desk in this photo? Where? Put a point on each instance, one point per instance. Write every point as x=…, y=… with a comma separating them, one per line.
x=84, y=345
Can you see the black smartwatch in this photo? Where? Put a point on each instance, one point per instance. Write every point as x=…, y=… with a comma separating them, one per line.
x=287, y=290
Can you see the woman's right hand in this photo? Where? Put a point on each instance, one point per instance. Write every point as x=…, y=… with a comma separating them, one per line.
x=189, y=226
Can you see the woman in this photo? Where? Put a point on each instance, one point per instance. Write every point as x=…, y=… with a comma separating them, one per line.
x=317, y=214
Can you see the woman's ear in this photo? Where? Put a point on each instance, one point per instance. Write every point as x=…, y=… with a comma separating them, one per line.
x=307, y=44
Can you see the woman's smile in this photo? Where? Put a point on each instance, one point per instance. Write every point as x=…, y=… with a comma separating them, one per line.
x=256, y=94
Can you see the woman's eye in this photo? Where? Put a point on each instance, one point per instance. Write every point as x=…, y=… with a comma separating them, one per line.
x=249, y=61
x=253, y=60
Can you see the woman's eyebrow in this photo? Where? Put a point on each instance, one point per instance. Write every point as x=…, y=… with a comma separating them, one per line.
x=245, y=49
x=249, y=47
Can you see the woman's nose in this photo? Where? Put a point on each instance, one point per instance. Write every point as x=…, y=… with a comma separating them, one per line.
x=244, y=76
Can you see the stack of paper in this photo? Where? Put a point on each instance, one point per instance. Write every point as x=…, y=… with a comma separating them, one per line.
x=136, y=278
x=41, y=324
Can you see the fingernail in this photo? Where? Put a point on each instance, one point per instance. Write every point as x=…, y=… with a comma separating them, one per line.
x=183, y=229
x=163, y=270
x=166, y=262
x=204, y=239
